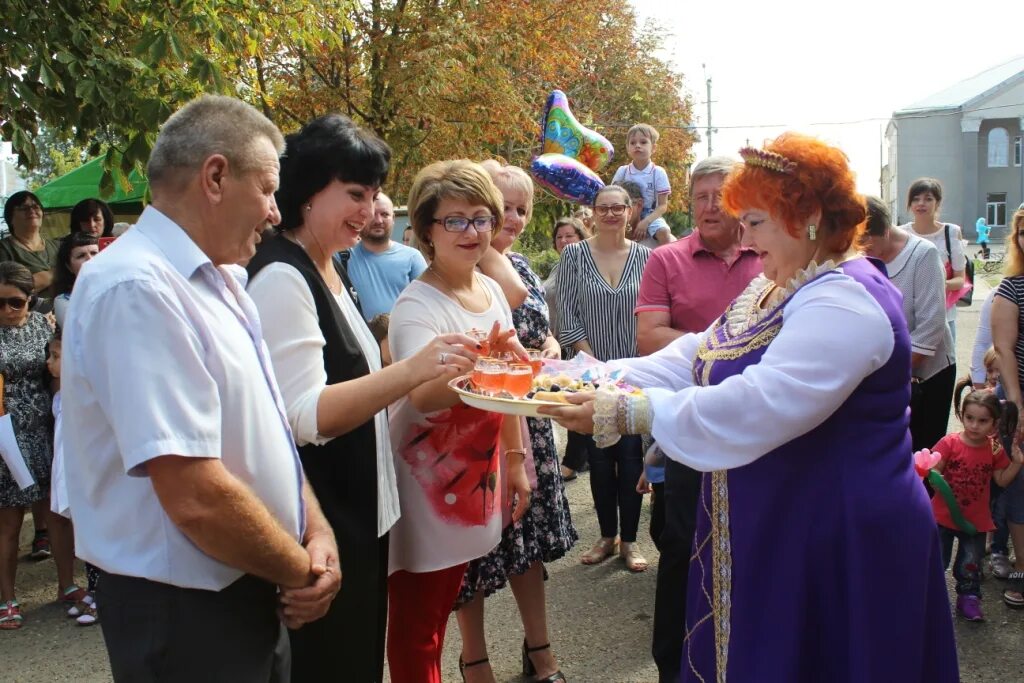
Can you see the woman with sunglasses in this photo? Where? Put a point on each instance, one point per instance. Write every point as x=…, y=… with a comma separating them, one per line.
x=23, y=213
x=23, y=339
x=598, y=282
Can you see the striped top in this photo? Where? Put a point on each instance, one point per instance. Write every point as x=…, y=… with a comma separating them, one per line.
x=1012, y=289
x=588, y=307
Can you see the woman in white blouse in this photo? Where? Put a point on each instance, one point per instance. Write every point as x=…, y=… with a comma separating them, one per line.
x=924, y=198
x=914, y=266
x=336, y=394
x=454, y=484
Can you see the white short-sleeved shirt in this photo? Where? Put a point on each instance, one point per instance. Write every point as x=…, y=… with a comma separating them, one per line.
x=653, y=180
x=164, y=355
x=434, y=531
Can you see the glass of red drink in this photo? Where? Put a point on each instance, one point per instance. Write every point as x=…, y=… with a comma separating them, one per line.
x=536, y=361
x=483, y=339
x=519, y=379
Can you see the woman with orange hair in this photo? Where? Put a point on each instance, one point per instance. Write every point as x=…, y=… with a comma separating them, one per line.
x=815, y=556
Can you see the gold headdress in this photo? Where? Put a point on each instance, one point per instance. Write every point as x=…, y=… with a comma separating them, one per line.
x=770, y=160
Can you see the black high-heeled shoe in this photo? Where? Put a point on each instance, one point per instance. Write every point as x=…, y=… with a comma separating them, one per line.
x=530, y=670
x=465, y=665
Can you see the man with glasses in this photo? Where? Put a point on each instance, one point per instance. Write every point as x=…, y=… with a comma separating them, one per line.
x=23, y=213
x=686, y=286
x=379, y=267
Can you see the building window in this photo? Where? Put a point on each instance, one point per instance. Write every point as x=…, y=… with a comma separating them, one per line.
x=995, y=210
x=998, y=147
x=1017, y=151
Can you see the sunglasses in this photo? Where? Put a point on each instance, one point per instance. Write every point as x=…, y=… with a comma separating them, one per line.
x=15, y=303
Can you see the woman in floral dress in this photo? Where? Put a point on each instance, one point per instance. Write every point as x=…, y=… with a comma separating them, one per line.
x=545, y=533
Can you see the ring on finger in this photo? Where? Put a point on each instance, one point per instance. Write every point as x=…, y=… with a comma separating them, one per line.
x=444, y=358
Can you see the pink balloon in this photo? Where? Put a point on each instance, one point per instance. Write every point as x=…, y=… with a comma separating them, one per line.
x=925, y=460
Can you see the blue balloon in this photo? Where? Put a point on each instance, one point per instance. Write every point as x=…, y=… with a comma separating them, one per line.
x=566, y=178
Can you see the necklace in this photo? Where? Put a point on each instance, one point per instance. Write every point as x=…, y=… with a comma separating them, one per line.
x=449, y=287
x=334, y=284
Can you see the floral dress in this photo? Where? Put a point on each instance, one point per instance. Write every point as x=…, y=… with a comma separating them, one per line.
x=27, y=400
x=545, y=533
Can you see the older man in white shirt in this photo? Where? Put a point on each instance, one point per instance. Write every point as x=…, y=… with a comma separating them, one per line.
x=183, y=477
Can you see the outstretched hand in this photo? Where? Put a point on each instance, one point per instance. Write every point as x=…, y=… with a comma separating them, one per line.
x=578, y=416
x=448, y=355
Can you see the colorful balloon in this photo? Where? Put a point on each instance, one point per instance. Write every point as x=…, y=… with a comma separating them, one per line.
x=570, y=154
x=566, y=178
x=561, y=133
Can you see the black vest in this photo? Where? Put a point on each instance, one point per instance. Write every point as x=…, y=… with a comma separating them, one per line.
x=343, y=472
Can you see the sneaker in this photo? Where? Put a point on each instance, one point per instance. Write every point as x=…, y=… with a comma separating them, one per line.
x=41, y=546
x=1000, y=565
x=969, y=607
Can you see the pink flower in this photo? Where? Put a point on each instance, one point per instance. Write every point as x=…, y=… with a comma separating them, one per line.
x=925, y=460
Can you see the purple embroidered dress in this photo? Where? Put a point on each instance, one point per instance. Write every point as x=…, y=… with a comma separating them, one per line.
x=818, y=561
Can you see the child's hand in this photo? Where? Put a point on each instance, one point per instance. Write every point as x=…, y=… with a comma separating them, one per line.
x=643, y=486
x=1017, y=455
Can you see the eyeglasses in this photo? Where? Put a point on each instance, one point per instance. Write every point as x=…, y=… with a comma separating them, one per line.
x=15, y=303
x=29, y=208
x=613, y=209
x=461, y=223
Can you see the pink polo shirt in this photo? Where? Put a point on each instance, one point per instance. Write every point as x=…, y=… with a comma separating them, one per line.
x=692, y=284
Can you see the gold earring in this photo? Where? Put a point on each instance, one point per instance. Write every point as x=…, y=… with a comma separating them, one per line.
x=812, y=232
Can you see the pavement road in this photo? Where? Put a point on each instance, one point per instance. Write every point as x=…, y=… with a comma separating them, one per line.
x=600, y=617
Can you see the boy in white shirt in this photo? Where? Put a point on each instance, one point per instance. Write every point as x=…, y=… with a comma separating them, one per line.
x=641, y=141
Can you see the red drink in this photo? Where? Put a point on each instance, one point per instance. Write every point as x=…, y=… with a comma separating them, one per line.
x=519, y=380
x=477, y=379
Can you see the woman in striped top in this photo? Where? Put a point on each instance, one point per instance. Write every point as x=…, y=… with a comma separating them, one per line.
x=1007, y=323
x=598, y=282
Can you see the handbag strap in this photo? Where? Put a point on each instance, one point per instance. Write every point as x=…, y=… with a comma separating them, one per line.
x=949, y=250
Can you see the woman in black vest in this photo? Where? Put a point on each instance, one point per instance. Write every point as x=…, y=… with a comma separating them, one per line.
x=336, y=394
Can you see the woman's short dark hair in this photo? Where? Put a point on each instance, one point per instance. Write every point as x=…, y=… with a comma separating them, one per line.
x=879, y=219
x=63, y=278
x=577, y=226
x=922, y=185
x=328, y=148
x=613, y=188
x=16, y=200
x=86, y=209
x=16, y=275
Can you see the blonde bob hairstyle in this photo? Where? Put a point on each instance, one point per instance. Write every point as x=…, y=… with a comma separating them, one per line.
x=508, y=177
x=1014, y=253
x=461, y=179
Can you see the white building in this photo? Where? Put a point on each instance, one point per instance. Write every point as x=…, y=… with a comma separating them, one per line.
x=969, y=136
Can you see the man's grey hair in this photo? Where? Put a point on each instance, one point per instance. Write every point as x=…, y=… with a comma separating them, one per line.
x=711, y=166
x=208, y=125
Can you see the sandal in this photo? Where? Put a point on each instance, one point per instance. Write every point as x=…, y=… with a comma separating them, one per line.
x=530, y=670
x=465, y=665
x=10, y=616
x=1014, y=596
x=89, y=616
x=72, y=595
x=81, y=607
x=601, y=551
x=635, y=562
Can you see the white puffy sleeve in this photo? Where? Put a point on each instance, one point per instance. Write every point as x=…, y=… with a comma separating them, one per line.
x=833, y=336
x=291, y=330
x=669, y=368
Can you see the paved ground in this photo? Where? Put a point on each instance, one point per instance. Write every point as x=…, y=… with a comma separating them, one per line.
x=600, y=616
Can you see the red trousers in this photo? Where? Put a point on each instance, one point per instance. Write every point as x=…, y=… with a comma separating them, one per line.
x=418, y=609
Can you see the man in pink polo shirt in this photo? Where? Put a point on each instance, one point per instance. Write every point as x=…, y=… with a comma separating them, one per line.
x=686, y=286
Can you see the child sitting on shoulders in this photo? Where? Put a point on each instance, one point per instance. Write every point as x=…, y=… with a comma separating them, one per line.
x=969, y=460
x=641, y=141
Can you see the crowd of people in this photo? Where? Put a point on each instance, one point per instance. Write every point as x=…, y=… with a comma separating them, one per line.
x=308, y=498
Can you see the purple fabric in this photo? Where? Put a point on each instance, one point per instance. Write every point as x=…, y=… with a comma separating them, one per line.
x=832, y=549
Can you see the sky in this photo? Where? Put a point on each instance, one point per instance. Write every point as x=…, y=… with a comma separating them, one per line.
x=798, y=64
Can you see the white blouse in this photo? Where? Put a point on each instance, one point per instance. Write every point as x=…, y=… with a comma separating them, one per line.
x=834, y=335
x=292, y=333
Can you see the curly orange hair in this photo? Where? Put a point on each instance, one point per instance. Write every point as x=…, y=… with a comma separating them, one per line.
x=822, y=181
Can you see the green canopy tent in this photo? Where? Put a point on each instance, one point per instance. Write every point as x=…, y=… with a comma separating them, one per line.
x=61, y=194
